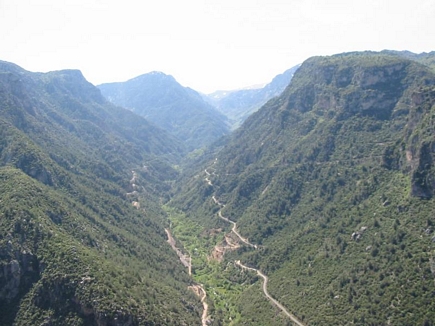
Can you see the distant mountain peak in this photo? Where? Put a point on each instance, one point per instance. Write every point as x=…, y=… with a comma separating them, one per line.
x=69, y=155
x=157, y=73
x=238, y=104
x=68, y=72
x=153, y=75
x=255, y=86
x=179, y=110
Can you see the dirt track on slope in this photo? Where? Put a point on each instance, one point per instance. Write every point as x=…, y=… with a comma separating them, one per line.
x=199, y=290
x=268, y=296
x=246, y=241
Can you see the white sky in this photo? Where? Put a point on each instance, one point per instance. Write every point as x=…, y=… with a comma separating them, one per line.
x=204, y=44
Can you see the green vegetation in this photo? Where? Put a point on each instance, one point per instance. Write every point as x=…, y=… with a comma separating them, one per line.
x=334, y=181
x=228, y=289
x=64, y=261
x=179, y=110
x=73, y=249
x=427, y=59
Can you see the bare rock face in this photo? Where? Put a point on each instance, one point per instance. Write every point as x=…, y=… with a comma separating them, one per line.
x=17, y=274
x=423, y=182
x=353, y=89
x=420, y=152
x=11, y=274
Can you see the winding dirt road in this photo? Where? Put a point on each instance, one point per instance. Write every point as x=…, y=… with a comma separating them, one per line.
x=268, y=296
x=199, y=290
x=207, y=179
x=186, y=260
x=259, y=273
x=234, y=228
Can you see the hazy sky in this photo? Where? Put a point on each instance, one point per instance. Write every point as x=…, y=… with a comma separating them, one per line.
x=207, y=44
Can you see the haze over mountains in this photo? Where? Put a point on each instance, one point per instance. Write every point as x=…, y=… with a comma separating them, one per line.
x=196, y=119
x=237, y=105
x=73, y=248
x=328, y=190
x=179, y=110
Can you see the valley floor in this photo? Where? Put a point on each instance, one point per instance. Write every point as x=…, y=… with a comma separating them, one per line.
x=186, y=260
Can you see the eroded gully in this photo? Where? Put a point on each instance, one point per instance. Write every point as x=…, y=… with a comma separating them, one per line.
x=186, y=260
x=198, y=289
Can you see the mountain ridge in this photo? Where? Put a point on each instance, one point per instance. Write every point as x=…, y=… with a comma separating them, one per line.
x=327, y=179
x=82, y=236
x=239, y=104
x=179, y=110
x=333, y=181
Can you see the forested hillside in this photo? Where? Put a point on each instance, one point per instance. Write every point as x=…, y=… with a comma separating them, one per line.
x=82, y=238
x=334, y=183
x=318, y=210
x=425, y=58
x=179, y=110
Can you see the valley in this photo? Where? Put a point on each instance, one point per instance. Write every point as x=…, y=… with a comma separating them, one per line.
x=196, y=288
x=317, y=210
x=304, y=175
x=246, y=242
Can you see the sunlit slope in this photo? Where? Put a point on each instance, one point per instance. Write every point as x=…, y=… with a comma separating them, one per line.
x=73, y=248
x=334, y=180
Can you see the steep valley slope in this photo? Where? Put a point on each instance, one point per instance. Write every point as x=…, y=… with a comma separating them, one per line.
x=318, y=210
x=334, y=181
x=82, y=238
